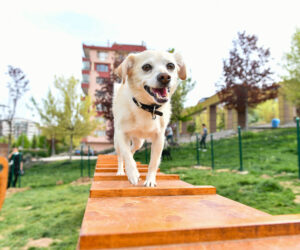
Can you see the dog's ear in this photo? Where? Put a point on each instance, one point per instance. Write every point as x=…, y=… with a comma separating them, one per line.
x=181, y=64
x=125, y=67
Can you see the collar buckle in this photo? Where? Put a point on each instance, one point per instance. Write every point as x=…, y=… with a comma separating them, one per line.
x=153, y=113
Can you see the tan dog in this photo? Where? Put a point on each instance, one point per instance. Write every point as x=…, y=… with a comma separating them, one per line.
x=142, y=109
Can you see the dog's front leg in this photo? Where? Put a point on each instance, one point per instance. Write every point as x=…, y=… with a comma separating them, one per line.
x=156, y=149
x=125, y=152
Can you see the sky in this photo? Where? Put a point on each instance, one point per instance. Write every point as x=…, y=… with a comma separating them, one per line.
x=44, y=38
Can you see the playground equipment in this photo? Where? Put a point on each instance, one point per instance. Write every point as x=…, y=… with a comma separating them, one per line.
x=175, y=215
x=3, y=179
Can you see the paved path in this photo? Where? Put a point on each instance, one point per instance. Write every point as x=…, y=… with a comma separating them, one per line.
x=64, y=157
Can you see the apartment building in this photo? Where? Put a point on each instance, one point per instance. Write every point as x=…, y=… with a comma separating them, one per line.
x=20, y=126
x=98, y=63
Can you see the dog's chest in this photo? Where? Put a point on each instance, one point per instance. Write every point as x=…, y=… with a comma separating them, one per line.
x=142, y=125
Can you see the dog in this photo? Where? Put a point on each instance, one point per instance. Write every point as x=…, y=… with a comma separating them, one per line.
x=166, y=154
x=142, y=109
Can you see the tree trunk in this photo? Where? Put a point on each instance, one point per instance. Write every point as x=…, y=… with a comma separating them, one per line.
x=298, y=111
x=242, y=118
x=246, y=116
x=52, y=145
x=71, y=147
x=9, y=135
x=177, y=131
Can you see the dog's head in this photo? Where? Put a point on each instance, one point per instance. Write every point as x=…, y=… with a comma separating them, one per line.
x=152, y=75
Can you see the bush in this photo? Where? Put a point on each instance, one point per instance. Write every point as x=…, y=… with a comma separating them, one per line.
x=269, y=186
x=35, y=152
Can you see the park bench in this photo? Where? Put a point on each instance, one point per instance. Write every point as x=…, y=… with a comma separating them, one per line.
x=175, y=215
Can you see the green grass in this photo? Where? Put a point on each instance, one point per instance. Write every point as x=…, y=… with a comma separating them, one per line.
x=268, y=154
x=45, y=209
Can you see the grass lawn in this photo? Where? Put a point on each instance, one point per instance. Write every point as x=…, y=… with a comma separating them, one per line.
x=51, y=206
x=270, y=157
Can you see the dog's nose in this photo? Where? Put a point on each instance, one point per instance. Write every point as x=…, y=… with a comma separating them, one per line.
x=164, y=78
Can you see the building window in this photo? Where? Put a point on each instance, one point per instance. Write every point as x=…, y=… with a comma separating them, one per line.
x=99, y=107
x=102, y=67
x=86, y=65
x=102, y=56
x=85, y=78
x=100, y=132
x=100, y=80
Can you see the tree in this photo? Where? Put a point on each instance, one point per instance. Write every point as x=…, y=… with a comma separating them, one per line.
x=191, y=128
x=74, y=115
x=23, y=141
x=42, y=141
x=17, y=86
x=104, y=99
x=34, y=142
x=291, y=84
x=104, y=105
x=177, y=101
x=247, y=78
x=267, y=111
x=49, y=119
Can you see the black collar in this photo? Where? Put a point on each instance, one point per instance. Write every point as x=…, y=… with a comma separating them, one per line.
x=150, y=108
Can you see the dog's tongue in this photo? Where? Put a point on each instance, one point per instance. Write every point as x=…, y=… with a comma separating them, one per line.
x=162, y=92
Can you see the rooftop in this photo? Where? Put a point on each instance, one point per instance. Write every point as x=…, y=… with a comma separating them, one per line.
x=114, y=47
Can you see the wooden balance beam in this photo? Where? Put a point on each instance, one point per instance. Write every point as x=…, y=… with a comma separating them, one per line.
x=176, y=215
x=3, y=179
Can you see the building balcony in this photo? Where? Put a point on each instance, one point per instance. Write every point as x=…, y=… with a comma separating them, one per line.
x=86, y=64
x=85, y=71
x=104, y=74
x=85, y=87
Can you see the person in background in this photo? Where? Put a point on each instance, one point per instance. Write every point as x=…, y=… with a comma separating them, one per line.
x=203, y=138
x=169, y=134
x=15, y=167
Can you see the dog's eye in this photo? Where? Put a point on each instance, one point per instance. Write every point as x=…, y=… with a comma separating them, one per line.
x=170, y=66
x=147, y=67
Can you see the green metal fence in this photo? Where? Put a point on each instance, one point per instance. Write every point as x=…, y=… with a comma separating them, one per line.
x=262, y=151
x=269, y=151
x=277, y=149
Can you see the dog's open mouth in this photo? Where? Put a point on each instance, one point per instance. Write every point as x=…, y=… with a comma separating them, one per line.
x=159, y=94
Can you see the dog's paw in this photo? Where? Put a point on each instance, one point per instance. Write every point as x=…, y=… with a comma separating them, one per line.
x=121, y=173
x=150, y=181
x=133, y=176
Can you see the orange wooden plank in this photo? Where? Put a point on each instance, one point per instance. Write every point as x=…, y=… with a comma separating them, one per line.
x=141, y=221
x=107, y=165
x=126, y=184
x=279, y=242
x=165, y=188
x=145, y=191
x=114, y=170
x=113, y=177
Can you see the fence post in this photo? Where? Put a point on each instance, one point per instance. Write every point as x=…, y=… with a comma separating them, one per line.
x=89, y=165
x=19, y=172
x=240, y=149
x=298, y=143
x=212, y=151
x=197, y=150
x=146, y=152
x=81, y=161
